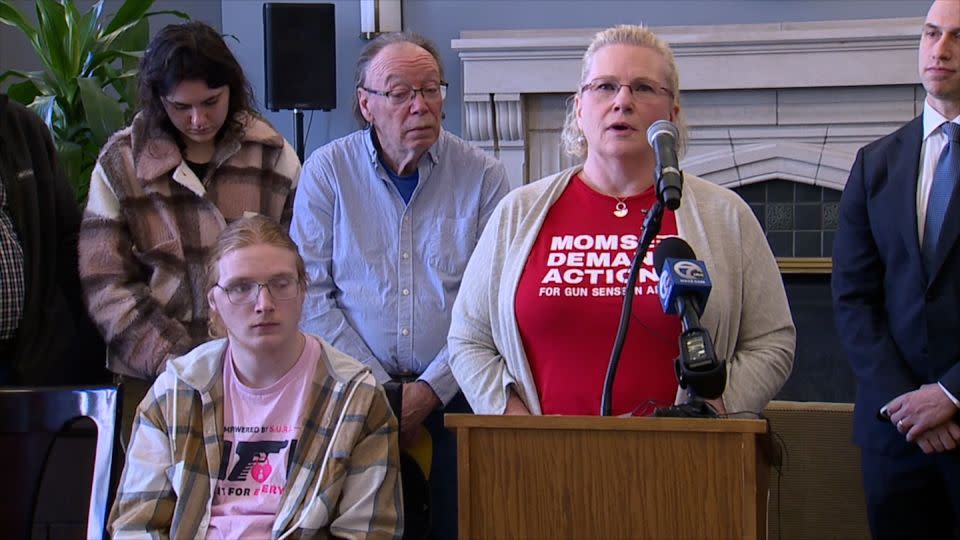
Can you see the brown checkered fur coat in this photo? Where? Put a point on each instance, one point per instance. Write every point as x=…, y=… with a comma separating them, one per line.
x=148, y=224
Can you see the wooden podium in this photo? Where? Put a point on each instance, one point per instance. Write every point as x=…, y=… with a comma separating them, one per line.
x=607, y=477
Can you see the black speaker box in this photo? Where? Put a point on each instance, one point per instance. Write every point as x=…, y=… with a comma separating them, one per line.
x=300, y=56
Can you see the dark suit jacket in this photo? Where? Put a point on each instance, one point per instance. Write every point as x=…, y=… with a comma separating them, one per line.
x=899, y=326
x=56, y=343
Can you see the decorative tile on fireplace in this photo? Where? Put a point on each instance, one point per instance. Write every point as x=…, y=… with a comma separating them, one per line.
x=799, y=219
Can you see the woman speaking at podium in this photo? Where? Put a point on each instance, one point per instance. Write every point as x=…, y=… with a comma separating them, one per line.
x=537, y=313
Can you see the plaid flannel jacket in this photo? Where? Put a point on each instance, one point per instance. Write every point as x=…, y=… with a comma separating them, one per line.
x=171, y=465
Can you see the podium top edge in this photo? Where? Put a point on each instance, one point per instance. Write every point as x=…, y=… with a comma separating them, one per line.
x=606, y=423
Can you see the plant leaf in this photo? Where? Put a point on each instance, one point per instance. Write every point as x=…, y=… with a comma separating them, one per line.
x=91, y=19
x=44, y=106
x=104, y=114
x=87, y=88
x=52, y=33
x=98, y=60
x=23, y=92
x=12, y=16
x=21, y=74
x=182, y=14
x=84, y=32
x=43, y=83
x=72, y=40
x=110, y=36
x=71, y=159
x=130, y=12
x=135, y=37
x=125, y=84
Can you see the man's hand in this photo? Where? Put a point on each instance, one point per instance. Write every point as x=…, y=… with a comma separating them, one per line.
x=920, y=410
x=515, y=406
x=418, y=401
x=942, y=438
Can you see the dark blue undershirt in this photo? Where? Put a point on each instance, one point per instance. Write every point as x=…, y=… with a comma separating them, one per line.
x=405, y=184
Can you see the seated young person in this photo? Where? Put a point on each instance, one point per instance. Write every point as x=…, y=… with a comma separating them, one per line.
x=268, y=432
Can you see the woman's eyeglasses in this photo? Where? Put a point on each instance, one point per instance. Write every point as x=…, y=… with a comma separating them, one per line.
x=640, y=89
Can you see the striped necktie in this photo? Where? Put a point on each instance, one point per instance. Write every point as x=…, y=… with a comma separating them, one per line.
x=944, y=178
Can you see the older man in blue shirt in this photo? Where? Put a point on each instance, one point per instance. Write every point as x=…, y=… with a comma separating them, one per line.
x=386, y=219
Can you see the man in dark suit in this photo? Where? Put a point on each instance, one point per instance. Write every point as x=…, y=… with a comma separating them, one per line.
x=46, y=337
x=896, y=289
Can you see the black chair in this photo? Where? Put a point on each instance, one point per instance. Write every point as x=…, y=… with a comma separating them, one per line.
x=32, y=421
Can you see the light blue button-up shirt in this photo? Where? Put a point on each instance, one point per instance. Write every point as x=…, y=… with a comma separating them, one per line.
x=383, y=274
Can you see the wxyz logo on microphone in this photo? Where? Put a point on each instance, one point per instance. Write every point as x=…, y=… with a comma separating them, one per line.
x=688, y=270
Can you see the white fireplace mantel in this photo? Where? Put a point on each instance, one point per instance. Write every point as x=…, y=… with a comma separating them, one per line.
x=777, y=100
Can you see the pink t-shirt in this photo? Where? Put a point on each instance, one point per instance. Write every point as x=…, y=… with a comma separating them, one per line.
x=261, y=427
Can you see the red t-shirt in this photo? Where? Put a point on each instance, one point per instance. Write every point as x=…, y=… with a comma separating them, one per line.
x=569, y=301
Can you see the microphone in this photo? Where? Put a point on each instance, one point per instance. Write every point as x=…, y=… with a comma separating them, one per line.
x=684, y=281
x=662, y=136
x=684, y=289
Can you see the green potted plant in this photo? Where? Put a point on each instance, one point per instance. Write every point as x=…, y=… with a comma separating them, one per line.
x=87, y=88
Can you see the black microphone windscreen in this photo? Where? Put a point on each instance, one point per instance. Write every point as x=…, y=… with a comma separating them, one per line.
x=671, y=248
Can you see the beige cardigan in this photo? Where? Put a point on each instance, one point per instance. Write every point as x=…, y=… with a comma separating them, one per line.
x=747, y=315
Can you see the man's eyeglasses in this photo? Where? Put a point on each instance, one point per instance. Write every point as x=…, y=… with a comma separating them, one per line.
x=247, y=292
x=400, y=95
x=640, y=89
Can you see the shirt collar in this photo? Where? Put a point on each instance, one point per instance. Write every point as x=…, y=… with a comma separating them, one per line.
x=932, y=120
x=433, y=152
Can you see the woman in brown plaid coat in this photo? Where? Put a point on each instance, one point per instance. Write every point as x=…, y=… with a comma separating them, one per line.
x=196, y=158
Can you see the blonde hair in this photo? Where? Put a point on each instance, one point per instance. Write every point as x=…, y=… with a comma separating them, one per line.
x=572, y=137
x=246, y=232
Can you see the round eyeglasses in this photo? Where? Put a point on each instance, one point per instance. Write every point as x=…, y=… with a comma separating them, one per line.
x=400, y=95
x=247, y=292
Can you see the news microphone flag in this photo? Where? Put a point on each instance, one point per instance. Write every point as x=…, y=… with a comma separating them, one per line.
x=683, y=278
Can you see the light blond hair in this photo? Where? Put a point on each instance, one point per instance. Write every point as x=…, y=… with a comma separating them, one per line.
x=246, y=232
x=572, y=137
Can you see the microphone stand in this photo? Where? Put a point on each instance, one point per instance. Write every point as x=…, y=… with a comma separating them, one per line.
x=695, y=407
x=651, y=226
x=699, y=371
x=298, y=132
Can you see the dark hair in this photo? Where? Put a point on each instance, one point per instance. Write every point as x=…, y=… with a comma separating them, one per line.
x=372, y=49
x=191, y=51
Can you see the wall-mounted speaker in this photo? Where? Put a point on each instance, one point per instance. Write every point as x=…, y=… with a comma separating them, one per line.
x=300, y=56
